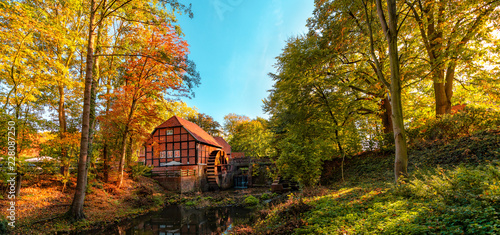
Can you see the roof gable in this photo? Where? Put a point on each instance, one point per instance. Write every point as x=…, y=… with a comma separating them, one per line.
x=193, y=129
x=171, y=122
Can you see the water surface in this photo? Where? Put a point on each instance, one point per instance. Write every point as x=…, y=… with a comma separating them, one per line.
x=178, y=220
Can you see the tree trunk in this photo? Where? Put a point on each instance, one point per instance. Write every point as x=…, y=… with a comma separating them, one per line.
x=448, y=87
x=92, y=121
x=386, y=115
x=390, y=31
x=76, y=209
x=18, y=149
x=342, y=152
x=441, y=99
x=443, y=102
x=19, y=179
x=93, y=98
x=105, y=152
x=443, y=87
x=62, y=131
x=122, y=156
x=129, y=151
x=124, y=142
x=106, y=162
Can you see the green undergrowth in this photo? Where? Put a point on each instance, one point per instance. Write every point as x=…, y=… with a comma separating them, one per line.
x=252, y=198
x=462, y=200
x=453, y=188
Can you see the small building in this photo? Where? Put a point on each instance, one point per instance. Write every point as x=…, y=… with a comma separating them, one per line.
x=186, y=158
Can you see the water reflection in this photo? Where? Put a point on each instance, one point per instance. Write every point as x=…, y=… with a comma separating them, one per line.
x=177, y=220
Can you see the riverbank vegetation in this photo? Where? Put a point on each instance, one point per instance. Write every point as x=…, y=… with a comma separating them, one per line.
x=251, y=198
x=458, y=195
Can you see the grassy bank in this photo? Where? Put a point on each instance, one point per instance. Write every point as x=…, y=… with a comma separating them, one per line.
x=42, y=205
x=454, y=188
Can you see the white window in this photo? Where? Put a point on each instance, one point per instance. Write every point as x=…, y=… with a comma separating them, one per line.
x=177, y=153
x=170, y=154
x=170, y=132
x=162, y=154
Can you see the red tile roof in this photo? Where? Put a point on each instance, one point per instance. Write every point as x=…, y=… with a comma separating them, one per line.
x=225, y=146
x=196, y=131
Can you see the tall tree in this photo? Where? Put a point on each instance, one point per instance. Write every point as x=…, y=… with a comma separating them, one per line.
x=313, y=108
x=355, y=42
x=76, y=209
x=390, y=29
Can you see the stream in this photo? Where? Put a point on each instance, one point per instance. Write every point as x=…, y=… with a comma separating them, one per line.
x=178, y=220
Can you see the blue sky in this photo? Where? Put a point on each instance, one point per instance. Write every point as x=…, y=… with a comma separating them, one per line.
x=234, y=44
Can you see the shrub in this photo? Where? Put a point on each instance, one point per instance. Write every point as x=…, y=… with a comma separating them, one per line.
x=49, y=167
x=98, y=185
x=4, y=229
x=451, y=126
x=190, y=203
x=137, y=170
x=144, y=197
x=461, y=185
x=251, y=201
x=158, y=200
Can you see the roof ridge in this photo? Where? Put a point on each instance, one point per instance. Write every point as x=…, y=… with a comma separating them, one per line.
x=196, y=131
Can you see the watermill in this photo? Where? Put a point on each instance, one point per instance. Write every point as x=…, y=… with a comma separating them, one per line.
x=217, y=170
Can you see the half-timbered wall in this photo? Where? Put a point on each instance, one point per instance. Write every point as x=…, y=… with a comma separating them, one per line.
x=173, y=144
x=176, y=144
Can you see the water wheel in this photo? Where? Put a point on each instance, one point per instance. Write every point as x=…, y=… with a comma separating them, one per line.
x=216, y=169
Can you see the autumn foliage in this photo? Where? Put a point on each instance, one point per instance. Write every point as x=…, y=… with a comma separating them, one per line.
x=156, y=70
